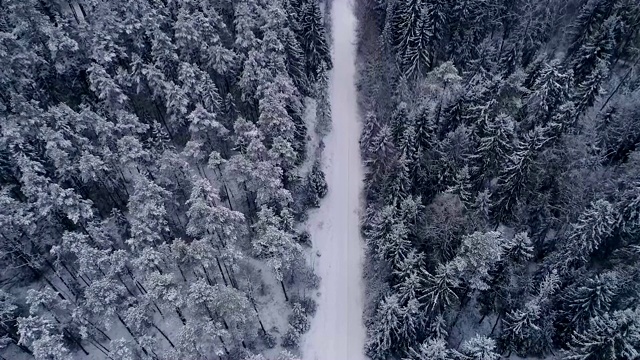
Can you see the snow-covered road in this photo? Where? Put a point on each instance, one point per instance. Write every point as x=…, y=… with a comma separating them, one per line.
x=337, y=331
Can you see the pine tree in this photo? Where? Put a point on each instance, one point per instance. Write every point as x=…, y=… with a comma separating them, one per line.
x=296, y=59
x=286, y=355
x=461, y=186
x=384, y=334
x=629, y=213
x=148, y=214
x=8, y=315
x=314, y=39
x=519, y=249
x=495, y=146
x=369, y=129
x=44, y=337
x=387, y=236
x=480, y=348
x=439, y=288
x=399, y=185
x=400, y=122
x=595, y=52
x=550, y=90
x=432, y=349
x=467, y=26
x=525, y=329
x=593, y=228
x=413, y=36
x=591, y=88
x=223, y=307
x=298, y=319
x=610, y=336
x=274, y=243
x=382, y=152
x=323, y=109
x=482, y=205
x=317, y=184
x=408, y=271
x=589, y=299
x=515, y=176
x=591, y=17
x=477, y=255
x=394, y=246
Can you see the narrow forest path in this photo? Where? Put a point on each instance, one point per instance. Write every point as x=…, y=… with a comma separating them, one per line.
x=337, y=331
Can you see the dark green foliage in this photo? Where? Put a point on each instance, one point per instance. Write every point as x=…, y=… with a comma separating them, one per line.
x=514, y=123
x=139, y=141
x=517, y=173
x=418, y=27
x=298, y=319
x=317, y=184
x=313, y=39
x=591, y=298
x=611, y=336
x=291, y=339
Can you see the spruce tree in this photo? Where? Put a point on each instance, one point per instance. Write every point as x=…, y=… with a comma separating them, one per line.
x=610, y=336
x=314, y=39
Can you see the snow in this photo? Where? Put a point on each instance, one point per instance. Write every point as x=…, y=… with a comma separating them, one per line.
x=313, y=141
x=337, y=331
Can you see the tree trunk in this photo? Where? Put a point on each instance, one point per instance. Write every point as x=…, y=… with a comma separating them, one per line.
x=223, y=345
x=98, y=329
x=161, y=118
x=286, y=298
x=158, y=308
x=125, y=285
x=258, y=315
x=100, y=347
x=226, y=190
x=131, y=334
x=181, y=316
x=496, y=324
x=75, y=340
x=246, y=194
x=221, y=272
x=116, y=203
x=206, y=275
x=53, y=269
x=232, y=278
x=164, y=335
x=620, y=84
x=182, y=273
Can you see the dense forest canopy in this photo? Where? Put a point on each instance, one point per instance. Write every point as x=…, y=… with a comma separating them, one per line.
x=503, y=188
x=153, y=162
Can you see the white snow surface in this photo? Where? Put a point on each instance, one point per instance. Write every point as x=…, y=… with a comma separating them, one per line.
x=337, y=331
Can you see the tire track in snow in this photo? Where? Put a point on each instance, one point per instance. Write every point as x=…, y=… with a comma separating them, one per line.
x=337, y=331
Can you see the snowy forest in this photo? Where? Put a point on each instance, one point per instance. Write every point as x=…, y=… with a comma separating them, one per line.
x=156, y=160
x=501, y=139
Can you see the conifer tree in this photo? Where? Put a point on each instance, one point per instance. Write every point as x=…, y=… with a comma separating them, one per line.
x=435, y=349
x=413, y=36
x=515, y=176
x=384, y=335
x=317, y=184
x=495, y=146
x=274, y=243
x=314, y=39
x=550, y=90
x=439, y=288
x=610, y=336
x=589, y=299
x=480, y=348
x=595, y=52
x=594, y=226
